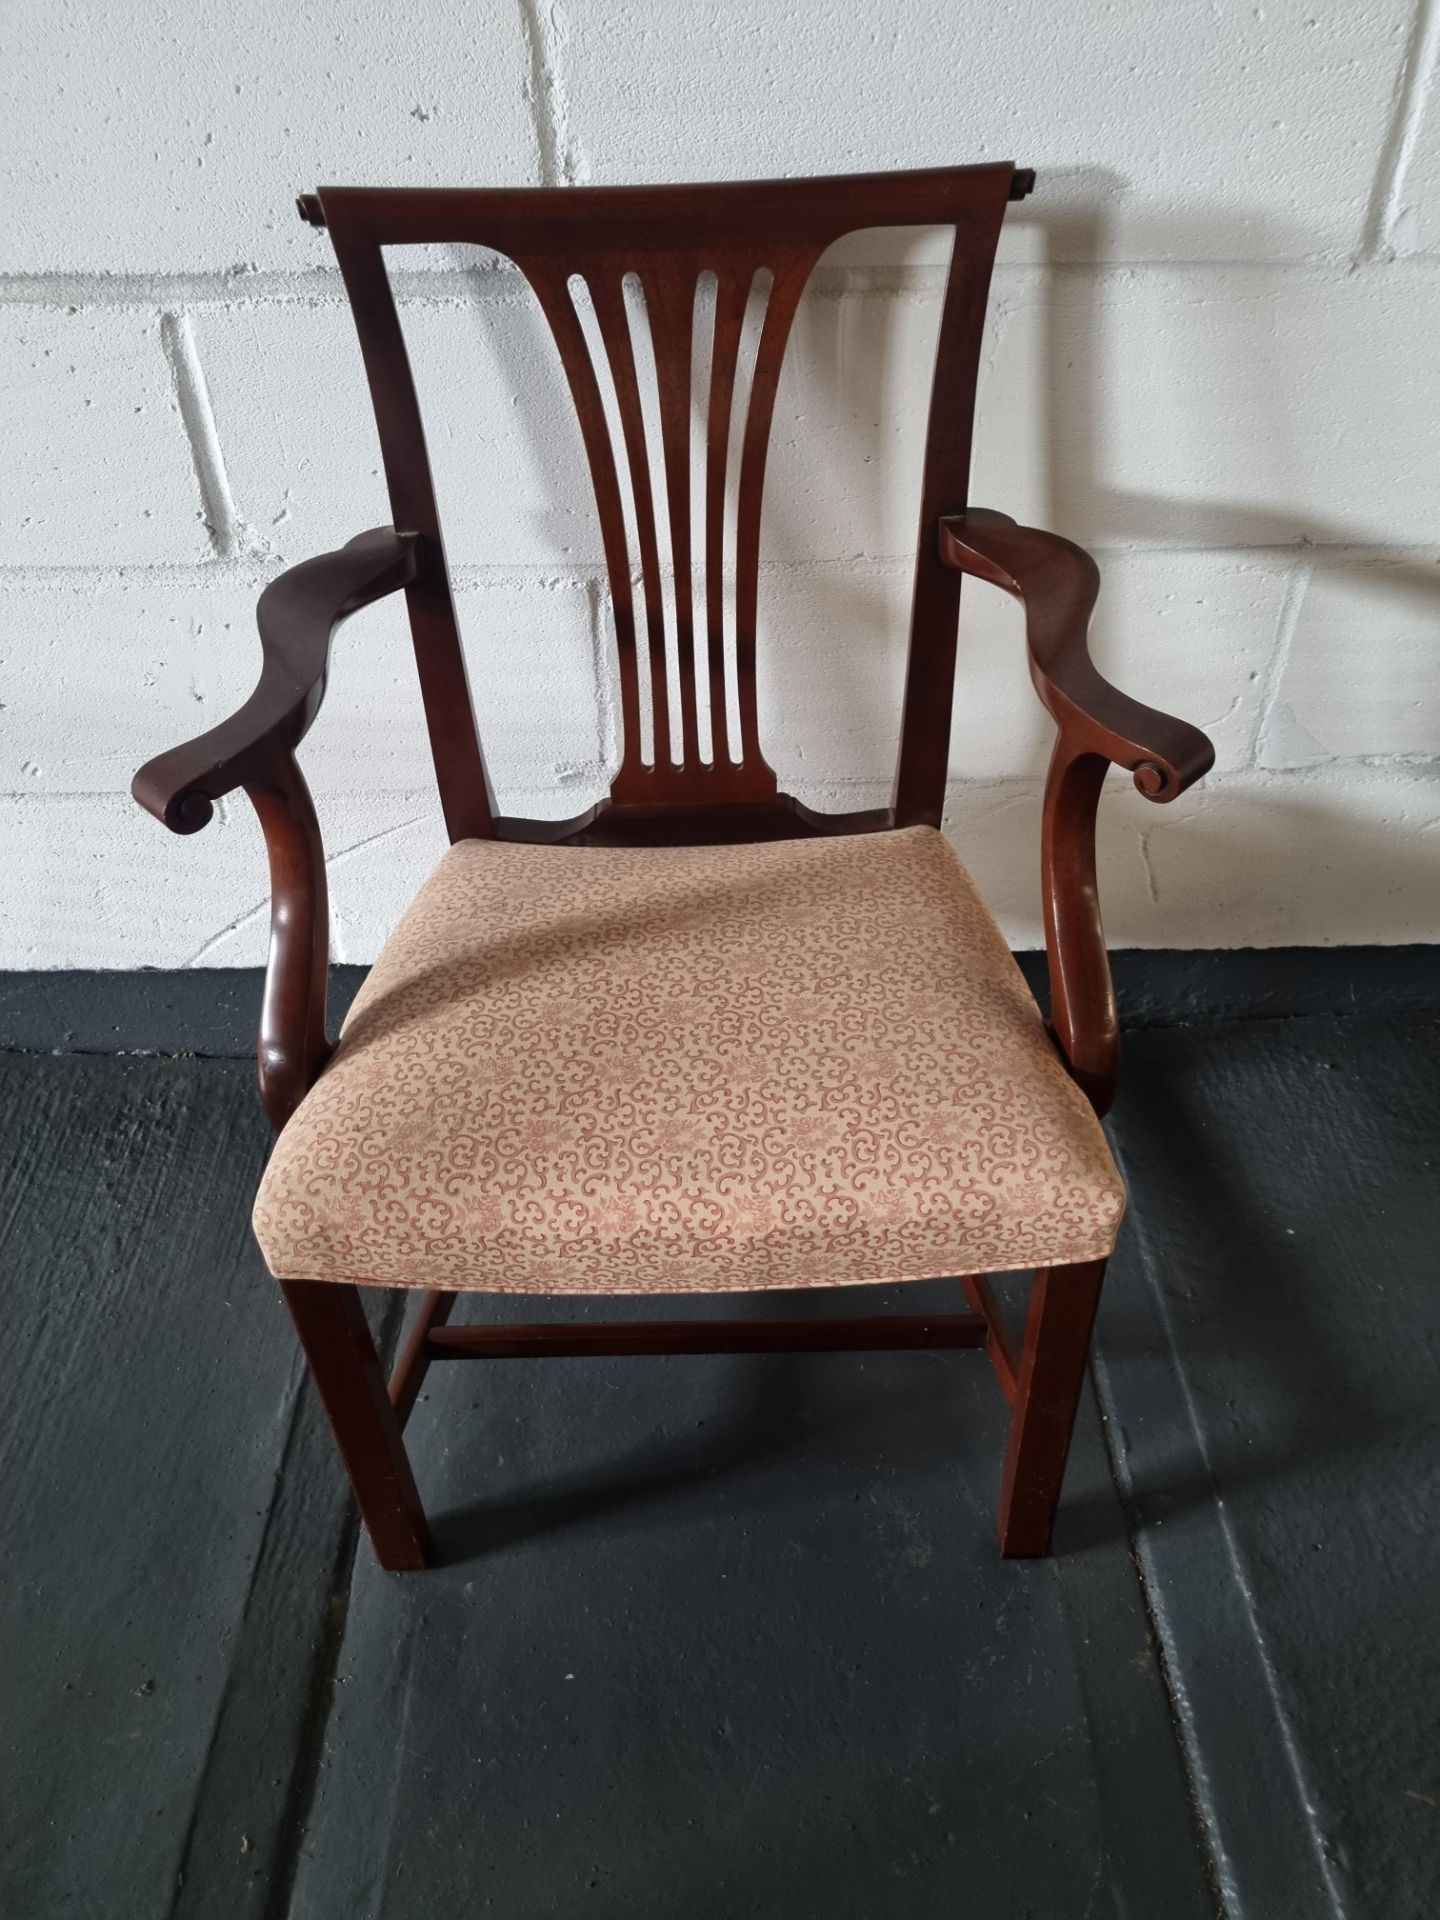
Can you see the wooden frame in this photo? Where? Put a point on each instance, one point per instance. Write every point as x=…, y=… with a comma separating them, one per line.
x=663, y=240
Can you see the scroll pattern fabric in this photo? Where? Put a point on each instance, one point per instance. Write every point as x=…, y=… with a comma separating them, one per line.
x=591, y=1070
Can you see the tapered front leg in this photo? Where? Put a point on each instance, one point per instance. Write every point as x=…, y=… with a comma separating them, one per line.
x=1047, y=1392
x=346, y=1368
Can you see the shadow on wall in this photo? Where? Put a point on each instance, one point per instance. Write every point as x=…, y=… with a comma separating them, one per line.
x=1334, y=859
x=1279, y=865
x=1069, y=220
x=1295, y=865
x=1079, y=384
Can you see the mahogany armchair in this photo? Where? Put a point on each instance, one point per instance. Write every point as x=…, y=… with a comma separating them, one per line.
x=701, y=1038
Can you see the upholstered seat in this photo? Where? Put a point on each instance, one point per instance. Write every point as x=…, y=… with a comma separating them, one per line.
x=591, y=1070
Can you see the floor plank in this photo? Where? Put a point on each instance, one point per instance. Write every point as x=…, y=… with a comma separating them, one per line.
x=1269, y=1353
x=731, y=1637
x=173, y=1521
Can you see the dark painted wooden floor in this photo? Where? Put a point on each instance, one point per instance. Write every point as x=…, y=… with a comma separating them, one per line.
x=729, y=1637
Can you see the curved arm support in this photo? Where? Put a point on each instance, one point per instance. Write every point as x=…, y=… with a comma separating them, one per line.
x=1083, y=1017
x=294, y=1044
x=297, y=615
x=1058, y=583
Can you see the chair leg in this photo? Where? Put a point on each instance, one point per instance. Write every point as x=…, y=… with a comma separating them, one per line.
x=346, y=1369
x=1047, y=1392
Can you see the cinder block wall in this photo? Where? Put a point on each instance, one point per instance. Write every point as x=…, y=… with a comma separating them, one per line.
x=1214, y=356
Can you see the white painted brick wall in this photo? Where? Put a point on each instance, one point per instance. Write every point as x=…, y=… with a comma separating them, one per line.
x=97, y=466
x=1213, y=355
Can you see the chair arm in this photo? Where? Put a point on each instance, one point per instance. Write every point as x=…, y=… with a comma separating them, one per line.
x=1098, y=726
x=297, y=615
x=1058, y=583
x=255, y=749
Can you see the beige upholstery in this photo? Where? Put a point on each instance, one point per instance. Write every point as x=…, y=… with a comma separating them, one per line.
x=586, y=1070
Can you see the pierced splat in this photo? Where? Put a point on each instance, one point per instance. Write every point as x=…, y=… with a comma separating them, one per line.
x=658, y=470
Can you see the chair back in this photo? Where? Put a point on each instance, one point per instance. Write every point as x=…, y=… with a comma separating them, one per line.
x=632, y=279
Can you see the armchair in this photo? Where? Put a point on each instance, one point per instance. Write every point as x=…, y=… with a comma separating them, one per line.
x=701, y=1037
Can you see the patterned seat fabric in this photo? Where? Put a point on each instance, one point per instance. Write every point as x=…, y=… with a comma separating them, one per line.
x=793, y=1064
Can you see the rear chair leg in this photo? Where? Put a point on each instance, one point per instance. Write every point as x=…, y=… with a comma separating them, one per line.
x=346, y=1369
x=1047, y=1392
